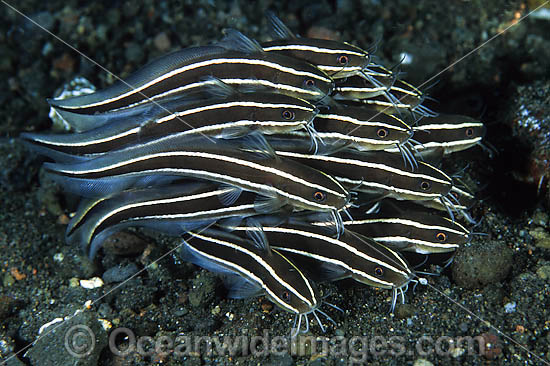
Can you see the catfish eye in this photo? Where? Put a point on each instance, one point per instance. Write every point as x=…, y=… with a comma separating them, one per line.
x=319, y=196
x=382, y=133
x=425, y=185
x=469, y=132
x=310, y=83
x=285, y=296
x=288, y=115
x=455, y=195
x=441, y=237
x=378, y=271
x=343, y=60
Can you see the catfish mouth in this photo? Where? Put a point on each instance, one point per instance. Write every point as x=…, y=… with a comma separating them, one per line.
x=400, y=290
x=302, y=319
x=338, y=222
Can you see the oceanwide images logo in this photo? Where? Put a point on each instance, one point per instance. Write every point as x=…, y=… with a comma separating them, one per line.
x=80, y=342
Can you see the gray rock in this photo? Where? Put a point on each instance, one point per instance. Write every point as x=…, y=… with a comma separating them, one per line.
x=482, y=263
x=77, y=341
x=120, y=273
x=202, y=291
x=7, y=348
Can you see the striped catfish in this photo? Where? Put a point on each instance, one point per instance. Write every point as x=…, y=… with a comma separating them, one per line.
x=378, y=174
x=356, y=127
x=252, y=268
x=407, y=227
x=451, y=132
x=282, y=180
x=337, y=59
x=350, y=256
x=172, y=209
x=184, y=72
x=360, y=128
x=459, y=201
x=235, y=115
x=383, y=90
x=390, y=104
x=336, y=136
x=373, y=81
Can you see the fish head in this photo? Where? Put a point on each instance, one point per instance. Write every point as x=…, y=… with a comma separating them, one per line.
x=294, y=292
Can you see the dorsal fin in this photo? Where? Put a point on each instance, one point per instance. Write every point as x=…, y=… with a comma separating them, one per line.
x=231, y=195
x=267, y=204
x=278, y=29
x=236, y=41
x=239, y=287
x=217, y=89
x=257, y=235
x=432, y=156
x=257, y=144
x=146, y=74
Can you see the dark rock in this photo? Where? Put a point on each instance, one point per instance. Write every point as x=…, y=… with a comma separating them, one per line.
x=283, y=360
x=105, y=311
x=203, y=290
x=404, y=311
x=7, y=353
x=124, y=243
x=482, y=263
x=120, y=273
x=7, y=305
x=76, y=341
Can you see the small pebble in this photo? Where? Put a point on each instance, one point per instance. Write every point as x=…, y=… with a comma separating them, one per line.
x=65, y=63
x=8, y=280
x=162, y=42
x=542, y=238
x=120, y=273
x=404, y=311
x=544, y=272
x=7, y=304
x=105, y=324
x=457, y=352
x=492, y=348
x=94, y=282
x=58, y=257
x=216, y=310
x=74, y=282
x=510, y=307
x=181, y=312
x=422, y=362
x=63, y=219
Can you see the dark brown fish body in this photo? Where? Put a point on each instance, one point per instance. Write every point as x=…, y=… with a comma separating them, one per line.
x=282, y=179
x=351, y=255
x=337, y=59
x=408, y=227
x=378, y=173
x=230, y=117
x=174, y=210
x=184, y=72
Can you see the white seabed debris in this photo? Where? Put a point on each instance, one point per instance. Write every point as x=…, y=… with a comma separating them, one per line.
x=92, y=283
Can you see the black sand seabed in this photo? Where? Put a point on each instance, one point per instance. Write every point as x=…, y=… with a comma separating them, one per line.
x=501, y=282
